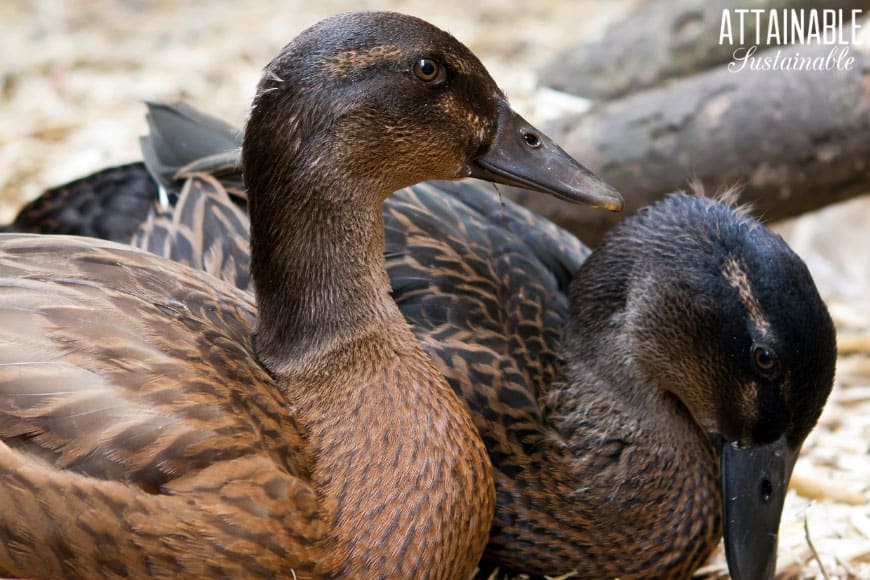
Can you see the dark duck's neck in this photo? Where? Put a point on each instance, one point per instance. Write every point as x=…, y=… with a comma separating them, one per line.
x=628, y=442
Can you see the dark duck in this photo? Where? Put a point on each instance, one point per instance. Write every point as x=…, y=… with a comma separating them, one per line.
x=637, y=407
x=145, y=434
x=620, y=398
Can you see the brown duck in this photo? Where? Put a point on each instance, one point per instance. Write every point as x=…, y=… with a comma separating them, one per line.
x=145, y=434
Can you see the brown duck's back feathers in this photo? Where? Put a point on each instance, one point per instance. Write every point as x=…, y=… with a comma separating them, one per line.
x=139, y=374
x=464, y=262
x=74, y=524
x=136, y=419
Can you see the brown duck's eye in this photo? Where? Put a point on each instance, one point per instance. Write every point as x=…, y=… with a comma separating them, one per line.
x=764, y=359
x=428, y=70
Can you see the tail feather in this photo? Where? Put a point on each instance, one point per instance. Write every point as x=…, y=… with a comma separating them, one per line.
x=179, y=135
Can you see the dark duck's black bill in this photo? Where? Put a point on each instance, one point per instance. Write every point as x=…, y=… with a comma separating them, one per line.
x=524, y=157
x=754, y=484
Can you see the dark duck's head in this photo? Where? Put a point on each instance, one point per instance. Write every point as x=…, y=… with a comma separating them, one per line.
x=713, y=308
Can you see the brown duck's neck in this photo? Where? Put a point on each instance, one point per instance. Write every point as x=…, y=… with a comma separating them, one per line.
x=319, y=274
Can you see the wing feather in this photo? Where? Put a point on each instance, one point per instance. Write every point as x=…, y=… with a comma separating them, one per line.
x=124, y=366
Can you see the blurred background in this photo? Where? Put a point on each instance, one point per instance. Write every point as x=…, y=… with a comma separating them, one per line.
x=73, y=75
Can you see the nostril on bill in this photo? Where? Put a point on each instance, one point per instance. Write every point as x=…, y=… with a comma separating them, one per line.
x=766, y=490
x=531, y=139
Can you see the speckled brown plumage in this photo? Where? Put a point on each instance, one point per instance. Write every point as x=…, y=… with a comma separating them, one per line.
x=204, y=230
x=108, y=426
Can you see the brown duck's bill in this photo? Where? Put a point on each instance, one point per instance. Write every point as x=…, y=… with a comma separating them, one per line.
x=524, y=157
x=754, y=484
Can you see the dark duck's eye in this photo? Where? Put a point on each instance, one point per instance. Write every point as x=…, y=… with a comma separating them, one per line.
x=764, y=360
x=428, y=70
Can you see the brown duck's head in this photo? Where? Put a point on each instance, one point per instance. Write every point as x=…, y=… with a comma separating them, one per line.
x=721, y=313
x=382, y=101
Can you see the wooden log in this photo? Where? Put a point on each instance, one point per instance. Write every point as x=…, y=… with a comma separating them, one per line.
x=796, y=140
x=662, y=39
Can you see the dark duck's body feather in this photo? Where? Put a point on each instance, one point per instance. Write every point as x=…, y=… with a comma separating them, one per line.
x=145, y=434
x=597, y=385
x=110, y=204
